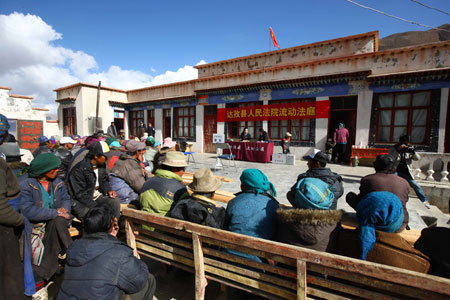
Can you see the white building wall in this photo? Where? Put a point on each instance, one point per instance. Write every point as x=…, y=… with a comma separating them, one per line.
x=363, y=115
x=158, y=124
x=443, y=119
x=321, y=128
x=199, y=121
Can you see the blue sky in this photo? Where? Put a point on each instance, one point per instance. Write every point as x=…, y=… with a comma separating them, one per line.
x=148, y=38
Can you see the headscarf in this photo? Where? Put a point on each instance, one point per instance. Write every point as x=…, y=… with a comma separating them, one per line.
x=313, y=193
x=115, y=144
x=42, y=164
x=381, y=211
x=4, y=125
x=109, y=140
x=255, y=180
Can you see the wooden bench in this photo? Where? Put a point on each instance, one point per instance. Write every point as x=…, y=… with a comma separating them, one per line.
x=287, y=272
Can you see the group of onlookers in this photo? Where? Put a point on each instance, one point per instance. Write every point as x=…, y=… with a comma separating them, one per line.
x=89, y=177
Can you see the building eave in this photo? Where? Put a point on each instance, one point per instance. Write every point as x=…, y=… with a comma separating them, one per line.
x=20, y=96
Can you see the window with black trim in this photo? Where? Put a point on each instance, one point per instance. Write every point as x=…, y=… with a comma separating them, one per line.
x=404, y=113
x=185, y=122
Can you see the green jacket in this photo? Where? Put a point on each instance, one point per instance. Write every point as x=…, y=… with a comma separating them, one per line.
x=161, y=191
x=9, y=189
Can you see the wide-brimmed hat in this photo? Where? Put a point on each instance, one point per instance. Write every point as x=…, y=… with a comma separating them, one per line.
x=133, y=146
x=288, y=133
x=175, y=159
x=204, y=181
x=169, y=143
x=67, y=140
x=10, y=149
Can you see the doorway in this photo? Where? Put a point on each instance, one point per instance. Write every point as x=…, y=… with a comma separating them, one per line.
x=167, y=123
x=119, y=117
x=343, y=109
x=209, y=128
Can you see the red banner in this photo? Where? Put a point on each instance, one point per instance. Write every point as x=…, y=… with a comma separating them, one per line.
x=28, y=132
x=285, y=111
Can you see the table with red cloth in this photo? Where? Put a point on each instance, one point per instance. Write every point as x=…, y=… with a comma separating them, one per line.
x=368, y=152
x=255, y=152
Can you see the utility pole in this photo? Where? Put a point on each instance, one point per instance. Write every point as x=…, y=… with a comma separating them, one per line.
x=98, y=105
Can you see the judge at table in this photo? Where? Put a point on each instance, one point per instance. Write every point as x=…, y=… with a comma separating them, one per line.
x=245, y=136
x=263, y=136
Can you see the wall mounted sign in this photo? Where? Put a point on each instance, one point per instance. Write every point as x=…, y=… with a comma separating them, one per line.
x=285, y=111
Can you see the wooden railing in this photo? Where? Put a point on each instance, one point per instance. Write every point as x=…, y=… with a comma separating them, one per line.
x=432, y=167
x=285, y=271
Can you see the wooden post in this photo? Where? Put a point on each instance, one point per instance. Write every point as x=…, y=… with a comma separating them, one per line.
x=200, y=279
x=301, y=279
x=131, y=241
x=98, y=105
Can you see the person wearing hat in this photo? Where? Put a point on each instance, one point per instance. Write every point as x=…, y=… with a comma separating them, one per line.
x=128, y=174
x=45, y=146
x=13, y=157
x=82, y=181
x=151, y=152
x=167, y=146
x=161, y=191
x=63, y=152
x=11, y=286
x=199, y=207
x=383, y=179
x=253, y=211
x=122, y=136
x=112, y=130
x=311, y=223
x=317, y=169
x=46, y=204
x=340, y=138
x=286, y=142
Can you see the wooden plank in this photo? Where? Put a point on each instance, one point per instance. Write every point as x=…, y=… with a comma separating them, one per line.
x=301, y=280
x=131, y=241
x=200, y=280
x=255, y=274
x=163, y=237
x=168, y=248
x=326, y=295
x=250, y=282
x=166, y=254
x=373, y=270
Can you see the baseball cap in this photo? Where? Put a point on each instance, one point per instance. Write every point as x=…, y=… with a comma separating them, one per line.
x=98, y=148
x=42, y=139
x=67, y=140
x=317, y=155
x=133, y=146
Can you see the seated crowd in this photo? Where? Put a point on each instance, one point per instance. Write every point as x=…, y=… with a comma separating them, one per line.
x=88, y=178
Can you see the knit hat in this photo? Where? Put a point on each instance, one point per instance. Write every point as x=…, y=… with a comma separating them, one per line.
x=169, y=143
x=98, y=148
x=4, y=125
x=204, y=181
x=150, y=141
x=175, y=159
x=381, y=211
x=42, y=164
x=313, y=193
x=255, y=180
x=133, y=146
x=109, y=140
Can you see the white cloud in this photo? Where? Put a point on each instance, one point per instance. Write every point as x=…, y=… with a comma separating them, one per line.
x=33, y=64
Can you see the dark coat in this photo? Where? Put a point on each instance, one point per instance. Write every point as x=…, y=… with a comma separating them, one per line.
x=81, y=182
x=435, y=242
x=313, y=229
x=98, y=266
x=42, y=149
x=31, y=200
x=199, y=211
x=9, y=189
x=151, y=131
x=389, y=249
x=324, y=174
x=66, y=157
x=130, y=170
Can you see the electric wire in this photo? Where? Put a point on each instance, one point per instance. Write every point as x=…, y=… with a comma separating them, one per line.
x=430, y=7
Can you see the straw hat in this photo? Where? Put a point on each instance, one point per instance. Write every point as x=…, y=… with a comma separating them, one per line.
x=169, y=143
x=204, y=181
x=175, y=159
x=288, y=133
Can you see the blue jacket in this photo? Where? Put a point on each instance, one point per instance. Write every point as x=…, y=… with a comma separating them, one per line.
x=98, y=266
x=31, y=200
x=124, y=192
x=253, y=215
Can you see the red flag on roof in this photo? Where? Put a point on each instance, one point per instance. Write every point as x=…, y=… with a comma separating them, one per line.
x=274, y=40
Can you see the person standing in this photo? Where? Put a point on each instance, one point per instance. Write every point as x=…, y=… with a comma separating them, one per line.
x=340, y=138
x=141, y=130
x=112, y=130
x=11, y=270
x=150, y=130
x=286, y=142
x=404, y=153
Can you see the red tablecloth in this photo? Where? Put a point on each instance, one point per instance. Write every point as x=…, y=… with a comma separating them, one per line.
x=368, y=152
x=256, y=152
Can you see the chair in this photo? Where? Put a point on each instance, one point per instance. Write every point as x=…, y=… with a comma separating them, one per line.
x=229, y=156
x=185, y=147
